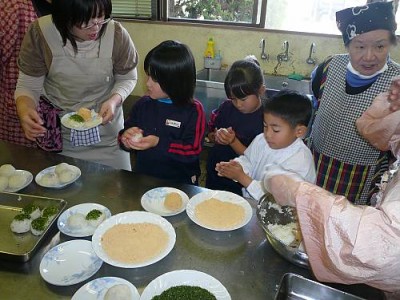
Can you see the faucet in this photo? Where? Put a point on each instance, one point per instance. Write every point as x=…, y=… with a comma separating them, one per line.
x=310, y=60
x=284, y=56
x=264, y=56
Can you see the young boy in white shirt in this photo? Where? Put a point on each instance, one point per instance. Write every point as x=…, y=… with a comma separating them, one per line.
x=286, y=118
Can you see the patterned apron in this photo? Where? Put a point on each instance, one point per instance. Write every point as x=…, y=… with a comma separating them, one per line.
x=75, y=82
x=346, y=163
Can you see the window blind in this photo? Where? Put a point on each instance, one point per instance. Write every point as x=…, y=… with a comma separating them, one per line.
x=132, y=8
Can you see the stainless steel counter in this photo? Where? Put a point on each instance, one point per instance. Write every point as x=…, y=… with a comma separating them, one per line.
x=242, y=260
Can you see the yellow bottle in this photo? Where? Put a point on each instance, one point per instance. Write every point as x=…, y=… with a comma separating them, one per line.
x=209, y=53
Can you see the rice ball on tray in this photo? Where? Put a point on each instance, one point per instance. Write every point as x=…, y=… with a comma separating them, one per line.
x=21, y=223
x=39, y=225
x=33, y=210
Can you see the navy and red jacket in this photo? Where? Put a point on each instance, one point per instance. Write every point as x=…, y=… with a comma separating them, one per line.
x=181, y=132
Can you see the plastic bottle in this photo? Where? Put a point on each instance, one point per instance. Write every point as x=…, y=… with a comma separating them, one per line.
x=209, y=53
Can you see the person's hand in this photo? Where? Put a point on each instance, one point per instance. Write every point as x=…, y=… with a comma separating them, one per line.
x=211, y=136
x=394, y=94
x=231, y=169
x=133, y=138
x=131, y=135
x=283, y=187
x=108, y=108
x=225, y=136
x=30, y=120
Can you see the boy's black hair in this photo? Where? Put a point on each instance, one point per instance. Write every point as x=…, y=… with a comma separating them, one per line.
x=292, y=106
x=172, y=65
x=69, y=13
x=244, y=78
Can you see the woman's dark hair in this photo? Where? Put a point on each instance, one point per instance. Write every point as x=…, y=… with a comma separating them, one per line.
x=172, y=65
x=292, y=106
x=244, y=78
x=69, y=13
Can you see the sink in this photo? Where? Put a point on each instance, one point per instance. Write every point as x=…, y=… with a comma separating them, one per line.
x=210, y=87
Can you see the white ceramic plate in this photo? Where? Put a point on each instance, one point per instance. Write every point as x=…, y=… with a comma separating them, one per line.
x=38, y=177
x=96, y=121
x=133, y=217
x=222, y=196
x=69, y=263
x=97, y=288
x=153, y=201
x=29, y=177
x=84, y=208
x=185, y=277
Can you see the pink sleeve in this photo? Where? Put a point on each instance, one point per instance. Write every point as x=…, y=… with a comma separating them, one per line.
x=379, y=125
x=347, y=243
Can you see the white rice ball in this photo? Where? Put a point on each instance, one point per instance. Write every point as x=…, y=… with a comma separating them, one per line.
x=96, y=222
x=66, y=176
x=61, y=168
x=7, y=170
x=137, y=137
x=21, y=223
x=77, y=221
x=3, y=183
x=17, y=180
x=49, y=179
x=118, y=292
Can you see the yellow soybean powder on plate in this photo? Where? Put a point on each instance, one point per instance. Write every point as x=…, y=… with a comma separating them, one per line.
x=134, y=243
x=219, y=214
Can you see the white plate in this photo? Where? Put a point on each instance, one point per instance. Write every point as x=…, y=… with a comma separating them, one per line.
x=96, y=121
x=84, y=208
x=185, y=277
x=153, y=201
x=222, y=196
x=51, y=170
x=97, y=288
x=69, y=263
x=133, y=217
x=29, y=177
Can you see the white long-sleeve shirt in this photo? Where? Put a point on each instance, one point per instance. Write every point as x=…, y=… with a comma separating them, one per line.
x=259, y=157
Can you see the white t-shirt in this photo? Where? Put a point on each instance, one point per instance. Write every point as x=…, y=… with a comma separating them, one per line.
x=258, y=157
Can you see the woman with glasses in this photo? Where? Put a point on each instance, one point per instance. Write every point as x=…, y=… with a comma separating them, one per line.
x=78, y=58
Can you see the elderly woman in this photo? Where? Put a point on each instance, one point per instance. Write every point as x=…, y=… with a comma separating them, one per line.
x=349, y=243
x=345, y=86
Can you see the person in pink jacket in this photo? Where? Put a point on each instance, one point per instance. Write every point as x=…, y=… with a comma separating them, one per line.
x=349, y=243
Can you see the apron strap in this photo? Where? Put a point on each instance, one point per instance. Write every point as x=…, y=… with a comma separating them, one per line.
x=51, y=34
x=107, y=41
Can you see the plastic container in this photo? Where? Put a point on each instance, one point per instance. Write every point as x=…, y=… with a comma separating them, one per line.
x=210, y=53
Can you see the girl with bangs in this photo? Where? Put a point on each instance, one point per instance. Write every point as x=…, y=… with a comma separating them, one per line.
x=166, y=127
x=237, y=121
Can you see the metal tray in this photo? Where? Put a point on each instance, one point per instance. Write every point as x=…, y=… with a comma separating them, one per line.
x=296, y=287
x=21, y=247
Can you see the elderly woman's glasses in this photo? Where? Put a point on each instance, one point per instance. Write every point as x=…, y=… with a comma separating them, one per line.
x=91, y=25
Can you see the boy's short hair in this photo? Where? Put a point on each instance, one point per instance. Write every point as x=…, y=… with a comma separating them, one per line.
x=292, y=106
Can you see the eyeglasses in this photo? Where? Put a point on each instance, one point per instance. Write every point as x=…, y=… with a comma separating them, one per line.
x=101, y=23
